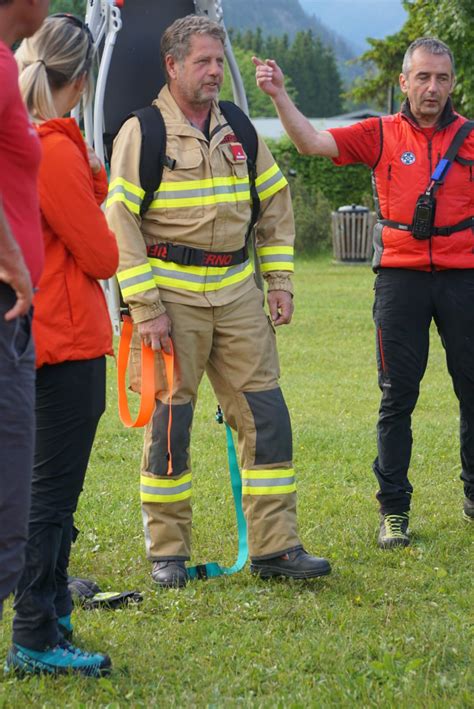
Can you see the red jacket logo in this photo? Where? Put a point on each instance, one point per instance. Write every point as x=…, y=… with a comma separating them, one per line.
x=158, y=251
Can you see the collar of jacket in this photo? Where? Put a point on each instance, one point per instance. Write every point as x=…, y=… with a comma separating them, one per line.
x=447, y=117
x=178, y=124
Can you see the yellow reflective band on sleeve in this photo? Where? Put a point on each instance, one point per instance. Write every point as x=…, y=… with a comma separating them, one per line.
x=131, y=195
x=165, y=490
x=270, y=182
x=198, y=279
x=268, y=482
x=276, y=258
x=135, y=280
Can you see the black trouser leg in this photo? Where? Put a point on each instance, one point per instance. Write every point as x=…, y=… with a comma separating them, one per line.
x=17, y=426
x=70, y=402
x=454, y=302
x=402, y=316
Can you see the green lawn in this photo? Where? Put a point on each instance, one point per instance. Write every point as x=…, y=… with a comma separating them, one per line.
x=386, y=629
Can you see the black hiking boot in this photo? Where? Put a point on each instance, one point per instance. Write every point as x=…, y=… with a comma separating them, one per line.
x=468, y=510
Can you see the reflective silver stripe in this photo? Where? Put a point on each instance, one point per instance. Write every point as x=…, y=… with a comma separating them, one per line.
x=155, y=490
x=270, y=182
x=278, y=258
x=200, y=192
x=130, y=197
x=142, y=278
x=180, y=275
x=269, y=482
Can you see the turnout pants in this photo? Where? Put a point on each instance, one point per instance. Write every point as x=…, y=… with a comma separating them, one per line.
x=17, y=430
x=70, y=399
x=235, y=345
x=405, y=303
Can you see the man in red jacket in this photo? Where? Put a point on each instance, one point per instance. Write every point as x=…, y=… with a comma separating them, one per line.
x=424, y=256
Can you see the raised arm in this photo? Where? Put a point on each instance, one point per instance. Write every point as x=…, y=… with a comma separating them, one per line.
x=307, y=139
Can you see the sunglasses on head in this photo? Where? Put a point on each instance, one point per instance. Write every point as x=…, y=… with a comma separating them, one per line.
x=82, y=25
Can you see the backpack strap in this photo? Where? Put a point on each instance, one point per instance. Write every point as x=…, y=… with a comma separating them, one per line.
x=152, y=152
x=247, y=135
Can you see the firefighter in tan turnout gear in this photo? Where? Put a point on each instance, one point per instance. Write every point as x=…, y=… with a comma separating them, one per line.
x=212, y=313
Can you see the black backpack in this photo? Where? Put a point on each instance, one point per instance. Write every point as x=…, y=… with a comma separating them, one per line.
x=153, y=156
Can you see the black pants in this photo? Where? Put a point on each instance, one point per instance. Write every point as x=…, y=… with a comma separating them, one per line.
x=70, y=399
x=405, y=303
x=17, y=431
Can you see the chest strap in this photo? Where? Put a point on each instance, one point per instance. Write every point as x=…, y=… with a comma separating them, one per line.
x=436, y=230
x=188, y=256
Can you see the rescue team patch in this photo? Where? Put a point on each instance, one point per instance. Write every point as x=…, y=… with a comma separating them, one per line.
x=408, y=158
x=237, y=151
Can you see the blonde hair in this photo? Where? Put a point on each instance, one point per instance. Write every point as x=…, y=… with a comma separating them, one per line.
x=60, y=52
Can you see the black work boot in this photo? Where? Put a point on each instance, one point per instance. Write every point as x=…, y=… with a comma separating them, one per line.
x=296, y=564
x=468, y=511
x=169, y=574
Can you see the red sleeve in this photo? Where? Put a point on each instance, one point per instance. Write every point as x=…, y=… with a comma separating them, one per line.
x=8, y=78
x=68, y=204
x=360, y=142
x=101, y=185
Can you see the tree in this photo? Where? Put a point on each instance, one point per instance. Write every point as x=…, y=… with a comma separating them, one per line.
x=452, y=21
x=75, y=7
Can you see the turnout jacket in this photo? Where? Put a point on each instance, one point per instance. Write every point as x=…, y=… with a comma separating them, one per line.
x=203, y=202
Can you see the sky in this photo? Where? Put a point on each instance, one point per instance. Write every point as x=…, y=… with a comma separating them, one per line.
x=358, y=19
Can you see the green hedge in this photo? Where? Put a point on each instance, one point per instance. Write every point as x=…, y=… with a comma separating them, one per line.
x=340, y=185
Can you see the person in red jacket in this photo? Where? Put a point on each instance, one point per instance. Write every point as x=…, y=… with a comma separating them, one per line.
x=73, y=334
x=424, y=266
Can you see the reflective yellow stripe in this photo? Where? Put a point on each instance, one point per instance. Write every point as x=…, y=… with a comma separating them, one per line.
x=265, y=474
x=134, y=271
x=198, y=279
x=129, y=186
x=277, y=266
x=202, y=184
x=281, y=490
x=204, y=200
x=275, y=258
x=273, y=170
x=167, y=489
x=131, y=195
x=135, y=280
x=270, y=250
x=254, y=477
x=269, y=182
x=274, y=188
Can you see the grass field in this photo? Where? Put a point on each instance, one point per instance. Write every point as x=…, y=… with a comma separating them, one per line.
x=386, y=629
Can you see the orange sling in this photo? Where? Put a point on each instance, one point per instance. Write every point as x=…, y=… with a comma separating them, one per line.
x=147, y=397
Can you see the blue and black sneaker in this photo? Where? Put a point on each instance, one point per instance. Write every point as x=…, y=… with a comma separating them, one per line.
x=65, y=627
x=61, y=659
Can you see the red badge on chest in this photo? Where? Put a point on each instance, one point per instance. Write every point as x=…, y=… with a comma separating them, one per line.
x=238, y=152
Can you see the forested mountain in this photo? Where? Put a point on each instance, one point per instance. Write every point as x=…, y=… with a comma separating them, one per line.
x=279, y=17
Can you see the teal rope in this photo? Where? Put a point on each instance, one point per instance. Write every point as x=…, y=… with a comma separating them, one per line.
x=214, y=569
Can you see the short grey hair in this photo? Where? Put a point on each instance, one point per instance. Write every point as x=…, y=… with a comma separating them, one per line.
x=427, y=44
x=176, y=39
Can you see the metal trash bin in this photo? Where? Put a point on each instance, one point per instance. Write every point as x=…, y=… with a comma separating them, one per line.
x=352, y=227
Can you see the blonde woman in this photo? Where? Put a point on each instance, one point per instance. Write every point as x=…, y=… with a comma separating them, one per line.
x=72, y=333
